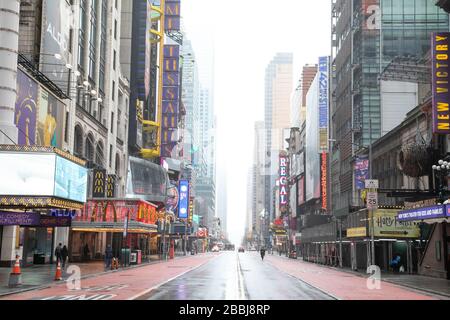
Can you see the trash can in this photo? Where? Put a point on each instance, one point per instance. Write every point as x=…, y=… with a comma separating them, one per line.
x=125, y=256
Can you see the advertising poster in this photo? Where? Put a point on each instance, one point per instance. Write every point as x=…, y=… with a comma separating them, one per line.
x=56, y=20
x=361, y=172
x=388, y=225
x=25, y=115
x=51, y=113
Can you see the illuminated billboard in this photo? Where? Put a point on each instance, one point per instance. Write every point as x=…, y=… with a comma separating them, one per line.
x=284, y=183
x=183, y=204
x=42, y=174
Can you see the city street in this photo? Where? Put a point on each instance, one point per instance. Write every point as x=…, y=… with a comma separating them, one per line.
x=233, y=276
x=227, y=276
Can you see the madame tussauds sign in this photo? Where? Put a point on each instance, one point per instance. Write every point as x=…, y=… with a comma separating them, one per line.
x=283, y=183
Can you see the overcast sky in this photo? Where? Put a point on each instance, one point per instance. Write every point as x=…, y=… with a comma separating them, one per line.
x=243, y=36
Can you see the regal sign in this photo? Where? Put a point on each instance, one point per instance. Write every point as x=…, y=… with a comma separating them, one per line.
x=440, y=82
x=284, y=184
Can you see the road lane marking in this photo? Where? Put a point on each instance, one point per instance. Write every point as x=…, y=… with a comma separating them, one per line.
x=240, y=278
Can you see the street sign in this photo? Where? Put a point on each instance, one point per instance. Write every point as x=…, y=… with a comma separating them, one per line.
x=372, y=200
x=372, y=184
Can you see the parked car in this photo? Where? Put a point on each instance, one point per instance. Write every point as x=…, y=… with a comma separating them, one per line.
x=241, y=249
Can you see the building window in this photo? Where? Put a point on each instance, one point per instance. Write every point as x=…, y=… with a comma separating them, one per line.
x=112, y=122
x=66, y=128
x=115, y=29
x=78, y=141
x=99, y=156
x=93, y=40
x=113, y=90
x=110, y=155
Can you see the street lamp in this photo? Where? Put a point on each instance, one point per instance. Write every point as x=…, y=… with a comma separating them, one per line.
x=443, y=169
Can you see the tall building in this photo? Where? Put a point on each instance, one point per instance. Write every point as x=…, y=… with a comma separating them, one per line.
x=382, y=32
x=190, y=97
x=278, y=89
x=76, y=99
x=298, y=108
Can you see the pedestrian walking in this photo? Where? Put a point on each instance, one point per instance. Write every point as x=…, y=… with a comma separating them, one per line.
x=263, y=253
x=395, y=263
x=58, y=253
x=108, y=256
x=64, y=256
x=86, y=252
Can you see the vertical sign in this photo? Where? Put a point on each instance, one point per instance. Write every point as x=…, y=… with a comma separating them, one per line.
x=183, y=206
x=324, y=180
x=440, y=82
x=323, y=103
x=99, y=184
x=172, y=15
x=284, y=197
x=191, y=210
x=361, y=171
x=171, y=99
x=111, y=186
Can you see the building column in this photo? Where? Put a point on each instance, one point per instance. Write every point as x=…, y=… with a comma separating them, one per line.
x=9, y=45
x=8, y=249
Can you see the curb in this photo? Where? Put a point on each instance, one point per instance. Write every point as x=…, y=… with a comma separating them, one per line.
x=50, y=284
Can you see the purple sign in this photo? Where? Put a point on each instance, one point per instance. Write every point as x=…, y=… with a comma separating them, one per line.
x=440, y=56
x=171, y=79
x=172, y=15
x=361, y=172
x=433, y=212
x=25, y=115
x=32, y=219
x=170, y=89
x=49, y=221
x=19, y=218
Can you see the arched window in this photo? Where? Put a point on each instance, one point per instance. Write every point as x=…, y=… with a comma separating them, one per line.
x=89, y=147
x=78, y=141
x=99, y=155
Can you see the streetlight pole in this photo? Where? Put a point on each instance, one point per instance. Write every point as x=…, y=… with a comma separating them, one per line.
x=371, y=210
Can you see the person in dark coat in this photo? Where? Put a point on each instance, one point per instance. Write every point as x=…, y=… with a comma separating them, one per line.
x=58, y=254
x=263, y=253
x=64, y=256
x=108, y=256
x=86, y=252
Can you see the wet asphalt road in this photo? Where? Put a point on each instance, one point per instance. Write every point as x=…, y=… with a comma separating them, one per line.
x=236, y=276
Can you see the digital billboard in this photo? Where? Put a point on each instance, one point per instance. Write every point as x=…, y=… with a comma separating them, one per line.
x=56, y=24
x=27, y=174
x=70, y=180
x=183, y=204
x=42, y=174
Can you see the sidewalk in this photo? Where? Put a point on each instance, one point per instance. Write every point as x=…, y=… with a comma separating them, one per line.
x=128, y=284
x=348, y=284
x=43, y=275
